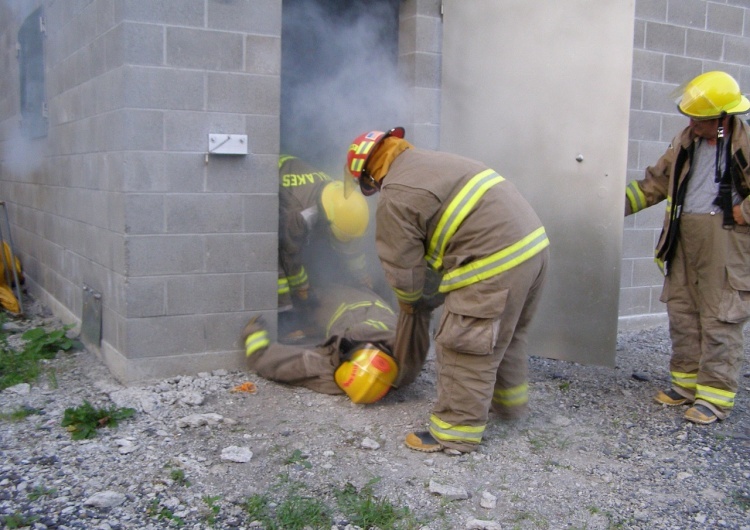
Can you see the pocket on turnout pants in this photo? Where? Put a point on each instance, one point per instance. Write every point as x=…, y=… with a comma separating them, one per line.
x=467, y=334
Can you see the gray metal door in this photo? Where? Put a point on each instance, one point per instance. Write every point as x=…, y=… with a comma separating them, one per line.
x=540, y=91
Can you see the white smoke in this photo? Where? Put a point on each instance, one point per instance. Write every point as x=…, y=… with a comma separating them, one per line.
x=340, y=76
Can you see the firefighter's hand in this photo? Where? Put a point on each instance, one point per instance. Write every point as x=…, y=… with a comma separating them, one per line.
x=430, y=303
x=737, y=214
x=406, y=308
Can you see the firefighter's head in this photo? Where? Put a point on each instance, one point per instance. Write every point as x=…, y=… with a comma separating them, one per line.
x=367, y=373
x=710, y=96
x=347, y=214
x=360, y=151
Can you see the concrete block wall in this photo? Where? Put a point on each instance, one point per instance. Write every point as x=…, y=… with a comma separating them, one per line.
x=674, y=40
x=181, y=246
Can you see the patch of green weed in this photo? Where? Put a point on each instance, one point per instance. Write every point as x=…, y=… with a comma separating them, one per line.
x=84, y=420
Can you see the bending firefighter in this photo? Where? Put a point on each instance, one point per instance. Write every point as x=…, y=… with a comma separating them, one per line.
x=359, y=356
x=319, y=230
x=704, y=247
x=472, y=227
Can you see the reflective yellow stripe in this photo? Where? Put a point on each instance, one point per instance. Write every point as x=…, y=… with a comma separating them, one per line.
x=458, y=433
x=683, y=380
x=283, y=286
x=510, y=397
x=284, y=158
x=408, y=297
x=496, y=263
x=377, y=324
x=298, y=279
x=456, y=212
x=343, y=308
x=256, y=341
x=716, y=396
x=635, y=196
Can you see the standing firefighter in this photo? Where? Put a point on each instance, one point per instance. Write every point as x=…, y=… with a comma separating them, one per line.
x=704, y=248
x=463, y=220
x=358, y=353
x=319, y=229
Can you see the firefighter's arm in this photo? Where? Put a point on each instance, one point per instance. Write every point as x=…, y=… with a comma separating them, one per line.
x=741, y=212
x=400, y=234
x=654, y=188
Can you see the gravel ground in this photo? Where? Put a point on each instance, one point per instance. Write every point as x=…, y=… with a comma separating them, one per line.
x=595, y=452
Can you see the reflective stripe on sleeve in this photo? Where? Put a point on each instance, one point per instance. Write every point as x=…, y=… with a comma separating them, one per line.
x=298, y=279
x=256, y=341
x=636, y=197
x=282, y=286
x=343, y=308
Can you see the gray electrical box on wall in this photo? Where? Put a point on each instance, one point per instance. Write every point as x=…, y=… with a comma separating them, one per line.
x=227, y=144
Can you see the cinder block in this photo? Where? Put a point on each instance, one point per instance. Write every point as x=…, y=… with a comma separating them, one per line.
x=261, y=213
x=634, y=301
x=204, y=50
x=260, y=291
x=646, y=272
x=690, y=13
x=626, y=270
x=704, y=45
x=143, y=171
x=651, y=10
x=187, y=13
x=736, y=50
x=665, y=38
x=263, y=55
x=144, y=213
x=164, y=336
x=248, y=94
x=644, y=125
x=263, y=134
x=427, y=70
x=243, y=174
x=679, y=70
x=162, y=88
x=204, y=293
x=648, y=65
x=671, y=125
x=657, y=97
x=134, y=43
x=185, y=173
x=137, y=130
x=725, y=19
x=203, y=213
x=167, y=254
x=241, y=253
x=262, y=17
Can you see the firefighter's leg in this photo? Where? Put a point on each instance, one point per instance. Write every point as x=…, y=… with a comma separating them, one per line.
x=511, y=394
x=298, y=366
x=684, y=330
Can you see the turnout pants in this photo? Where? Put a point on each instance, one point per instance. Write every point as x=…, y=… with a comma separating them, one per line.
x=482, y=360
x=708, y=304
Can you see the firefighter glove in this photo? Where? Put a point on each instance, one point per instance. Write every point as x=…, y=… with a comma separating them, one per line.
x=406, y=308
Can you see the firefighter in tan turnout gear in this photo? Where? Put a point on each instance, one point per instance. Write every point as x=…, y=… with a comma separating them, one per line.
x=463, y=220
x=358, y=356
x=704, y=248
x=320, y=231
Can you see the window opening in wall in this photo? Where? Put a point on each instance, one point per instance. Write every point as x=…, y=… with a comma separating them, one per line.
x=31, y=66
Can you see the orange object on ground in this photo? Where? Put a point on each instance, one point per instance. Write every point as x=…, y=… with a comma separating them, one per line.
x=247, y=387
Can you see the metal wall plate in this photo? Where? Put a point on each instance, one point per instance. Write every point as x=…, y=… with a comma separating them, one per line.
x=91, y=319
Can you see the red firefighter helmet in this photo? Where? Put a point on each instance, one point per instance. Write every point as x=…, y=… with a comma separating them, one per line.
x=360, y=151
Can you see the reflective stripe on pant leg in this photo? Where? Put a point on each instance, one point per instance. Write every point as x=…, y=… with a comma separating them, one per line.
x=716, y=396
x=443, y=431
x=685, y=381
x=511, y=397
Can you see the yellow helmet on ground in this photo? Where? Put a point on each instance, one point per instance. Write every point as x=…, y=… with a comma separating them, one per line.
x=367, y=375
x=712, y=95
x=349, y=216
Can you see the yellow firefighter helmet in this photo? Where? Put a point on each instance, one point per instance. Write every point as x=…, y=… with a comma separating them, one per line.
x=367, y=375
x=711, y=95
x=349, y=216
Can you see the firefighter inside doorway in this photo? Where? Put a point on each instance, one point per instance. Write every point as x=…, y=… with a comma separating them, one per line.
x=320, y=237
x=704, y=247
x=359, y=354
x=460, y=219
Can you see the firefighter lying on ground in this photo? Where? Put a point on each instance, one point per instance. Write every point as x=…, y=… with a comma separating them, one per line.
x=474, y=228
x=704, y=248
x=320, y=231
x=359, y=354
